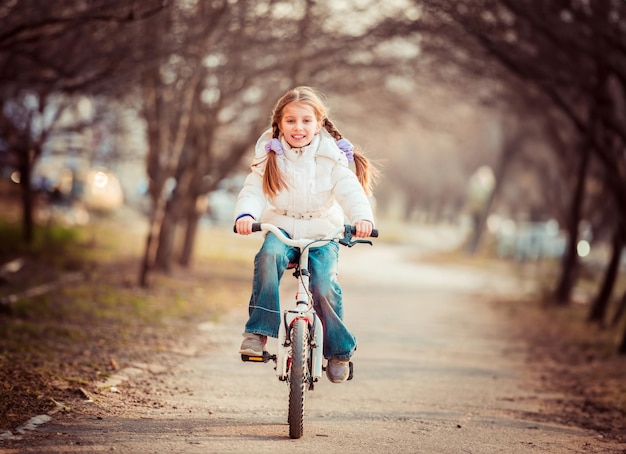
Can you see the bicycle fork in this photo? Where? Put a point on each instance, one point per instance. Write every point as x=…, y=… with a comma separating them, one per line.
x=316, y=340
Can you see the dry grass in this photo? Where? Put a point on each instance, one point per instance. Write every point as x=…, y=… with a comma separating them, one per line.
x=580, y=360
x=74, y=335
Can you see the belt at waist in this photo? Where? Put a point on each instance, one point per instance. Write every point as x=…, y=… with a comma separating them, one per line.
x=303, y=214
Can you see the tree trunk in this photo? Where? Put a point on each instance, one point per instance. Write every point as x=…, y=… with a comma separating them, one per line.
x=167, y=235
x=480, y=219
x=509, y=149
x=192, y=221
x=601, y=302
x=569, y=263
x=153, y=233
x=28, y=224
x=145, y=262
x=621, y=310
x=622, y=347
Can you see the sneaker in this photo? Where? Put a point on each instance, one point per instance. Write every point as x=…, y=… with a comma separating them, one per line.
x=338, y=370
x=253, y=344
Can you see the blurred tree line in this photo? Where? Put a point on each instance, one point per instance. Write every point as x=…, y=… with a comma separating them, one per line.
x=204, y=74
x=564, y=65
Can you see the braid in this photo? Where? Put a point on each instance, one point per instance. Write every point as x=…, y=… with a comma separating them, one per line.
x=275, y=131
x=366, y=173
x=332, y=130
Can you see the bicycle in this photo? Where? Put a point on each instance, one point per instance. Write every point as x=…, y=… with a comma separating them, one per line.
x=299, y=358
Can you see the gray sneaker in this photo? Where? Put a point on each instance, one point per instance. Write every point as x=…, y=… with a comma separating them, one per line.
x=338, y=370
x=253, y=344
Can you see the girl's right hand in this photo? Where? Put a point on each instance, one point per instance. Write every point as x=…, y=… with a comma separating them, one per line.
x=244, y=225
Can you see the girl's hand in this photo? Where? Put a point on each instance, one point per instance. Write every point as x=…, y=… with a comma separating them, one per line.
x=244, y=225
x=363, y=228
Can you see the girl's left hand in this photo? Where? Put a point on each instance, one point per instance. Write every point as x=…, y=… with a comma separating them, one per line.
x=363, y=229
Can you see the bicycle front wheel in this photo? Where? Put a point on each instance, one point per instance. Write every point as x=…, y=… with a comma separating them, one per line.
x=298, y=376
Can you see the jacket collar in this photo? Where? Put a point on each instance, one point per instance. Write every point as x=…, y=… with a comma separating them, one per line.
x=326, y=146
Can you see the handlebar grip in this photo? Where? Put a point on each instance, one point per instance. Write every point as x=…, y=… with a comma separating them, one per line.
x=256, y=227
x=374, y=233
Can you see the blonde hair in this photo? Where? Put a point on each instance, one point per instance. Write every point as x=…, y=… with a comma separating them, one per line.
x=273, y=180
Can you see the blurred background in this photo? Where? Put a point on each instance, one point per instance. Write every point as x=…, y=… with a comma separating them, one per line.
x=502, y=120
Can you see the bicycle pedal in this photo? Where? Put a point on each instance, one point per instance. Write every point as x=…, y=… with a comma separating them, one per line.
x=351, y=375
x=253, y=359
x=258, y=359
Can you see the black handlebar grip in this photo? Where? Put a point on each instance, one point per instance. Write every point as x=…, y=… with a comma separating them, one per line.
x=374, y=233
x=256, y=227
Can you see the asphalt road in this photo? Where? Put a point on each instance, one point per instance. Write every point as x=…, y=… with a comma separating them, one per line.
x=436, y=372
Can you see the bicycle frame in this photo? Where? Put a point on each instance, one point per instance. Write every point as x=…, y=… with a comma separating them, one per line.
x=304, y=307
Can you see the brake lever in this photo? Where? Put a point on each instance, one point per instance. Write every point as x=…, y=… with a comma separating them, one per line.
x=347, y=240
x=361, y=241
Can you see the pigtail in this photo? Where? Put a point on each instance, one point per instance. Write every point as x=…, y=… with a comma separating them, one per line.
x=273, y=180
x=366, y=172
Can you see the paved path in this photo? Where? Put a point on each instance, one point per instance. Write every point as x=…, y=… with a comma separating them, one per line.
x=435, y=373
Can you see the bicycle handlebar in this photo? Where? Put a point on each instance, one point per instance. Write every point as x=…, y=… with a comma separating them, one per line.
x=347, y=231
x=256, y=227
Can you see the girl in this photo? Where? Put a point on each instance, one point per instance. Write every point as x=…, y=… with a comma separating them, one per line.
x=301, y=182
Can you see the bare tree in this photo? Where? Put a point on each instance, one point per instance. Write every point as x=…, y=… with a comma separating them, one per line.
x=573, y=54
x=570, y=52
x=47, y=49
x=250, y=55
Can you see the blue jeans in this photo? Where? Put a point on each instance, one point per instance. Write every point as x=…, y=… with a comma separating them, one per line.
x=269, y=265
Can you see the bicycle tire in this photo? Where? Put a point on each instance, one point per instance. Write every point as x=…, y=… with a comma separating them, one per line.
x=298, y=376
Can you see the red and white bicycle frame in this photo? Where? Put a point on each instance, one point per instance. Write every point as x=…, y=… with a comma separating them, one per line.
x=303, y=310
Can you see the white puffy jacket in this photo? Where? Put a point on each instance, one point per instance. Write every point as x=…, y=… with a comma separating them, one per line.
x=323, y=192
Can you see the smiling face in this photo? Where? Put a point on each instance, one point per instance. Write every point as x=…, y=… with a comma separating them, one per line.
x=299, y=124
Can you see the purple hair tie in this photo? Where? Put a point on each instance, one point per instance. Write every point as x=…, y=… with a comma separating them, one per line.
x=275, y=146
x=347, y=148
